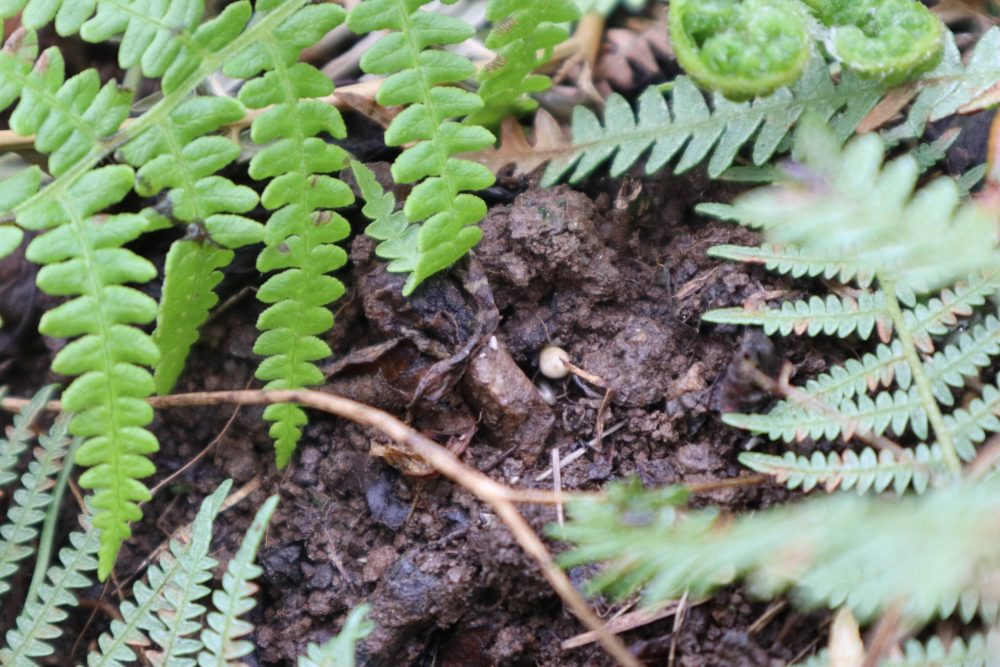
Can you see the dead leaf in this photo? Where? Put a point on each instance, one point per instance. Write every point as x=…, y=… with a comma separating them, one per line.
x=550, y=142
x=845, y=648
x=633, y=48
x=887, y=109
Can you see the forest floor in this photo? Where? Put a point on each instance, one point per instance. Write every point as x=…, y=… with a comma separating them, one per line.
x=616, y=273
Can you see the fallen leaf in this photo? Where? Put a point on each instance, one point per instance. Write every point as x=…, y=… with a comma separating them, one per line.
x=549, y=142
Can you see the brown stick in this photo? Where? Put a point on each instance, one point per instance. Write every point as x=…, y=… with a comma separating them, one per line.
x=497, y=496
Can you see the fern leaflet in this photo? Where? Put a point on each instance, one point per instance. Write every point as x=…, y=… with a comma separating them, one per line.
x=523, y=36
x=302, y=232
x=29, y=502
x=398, y=238
x=439, y=201
x=222, y=636
x=20, y=434
x=339, y=651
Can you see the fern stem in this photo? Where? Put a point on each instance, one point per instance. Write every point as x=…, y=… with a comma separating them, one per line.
x=921, y=380
x=47, y=536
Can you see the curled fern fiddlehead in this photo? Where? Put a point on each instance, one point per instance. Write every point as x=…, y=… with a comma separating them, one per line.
x=893, y=40
x=746, y=48
x=741, y=48
x=440, y=200
x=302, y=232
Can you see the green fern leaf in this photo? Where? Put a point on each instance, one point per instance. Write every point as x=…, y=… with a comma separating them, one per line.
x=222, y=638
x=42, y=620
x=398, y=238
x=849, y=470
x=177, y=155
x=867, y=553
x=934, y=653
x=83, y=257
x=721, y=129
x=523, y=36
x=166, y=608
x=794, y=262
x=29, y=502
x=340, y=650
x=77, y=123
x=20, y=434
x=833, y=316
x=970, y=425
x=854, y=205
x=439, y=201
x=302, y=232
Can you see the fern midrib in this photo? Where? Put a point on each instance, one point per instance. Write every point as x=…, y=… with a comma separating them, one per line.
x=809, y=419
x=49, y=601
x=38, y=488
x=139, y=614
x=60, y=186
x=98, y=291
x=291, y=99
x=166, y=127
x=436, y=122
x=924, y=389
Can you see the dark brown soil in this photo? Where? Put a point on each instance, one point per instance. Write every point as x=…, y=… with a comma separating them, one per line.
x=622, y=291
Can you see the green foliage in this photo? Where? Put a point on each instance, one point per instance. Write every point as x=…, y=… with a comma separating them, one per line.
x=523, y=36
x=439, y=200
x=741, y=49
x=744, y=48
x=974, y=652
x=31, y=500
x=169, y=607
x=76, y=124
x=846, y=203
x=717, y=129
x=301, y=234
x=863, y=553
x=398, y=237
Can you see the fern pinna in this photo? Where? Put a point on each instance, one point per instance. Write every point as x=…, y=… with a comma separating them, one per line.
x=302, y=232
x=77, y=123
x=523, y=36
x=693, y=126
x=848, y=204
x=440, y=200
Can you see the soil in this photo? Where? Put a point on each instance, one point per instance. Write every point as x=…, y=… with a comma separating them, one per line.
x=617, y=275
x=621, y=290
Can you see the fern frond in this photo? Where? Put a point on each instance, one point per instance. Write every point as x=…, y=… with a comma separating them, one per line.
x=222, y=638
x=178, y=155
x=523, y=35
x=397, y=237
x=79, y=125
x=166, y=609
x=717, y=131
x=20, y=434
x=867, y=553
x=833, y=316
x=896, y=410
x=720, y=129
x=846, y=202
x=440, y=200
x=885, y=366
x=963, y=358
x=29, y=502
x=862, y=472
x=340, y=650
x=301, y=234
x=795, y=263
x=934, y=653
x=40, y=620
